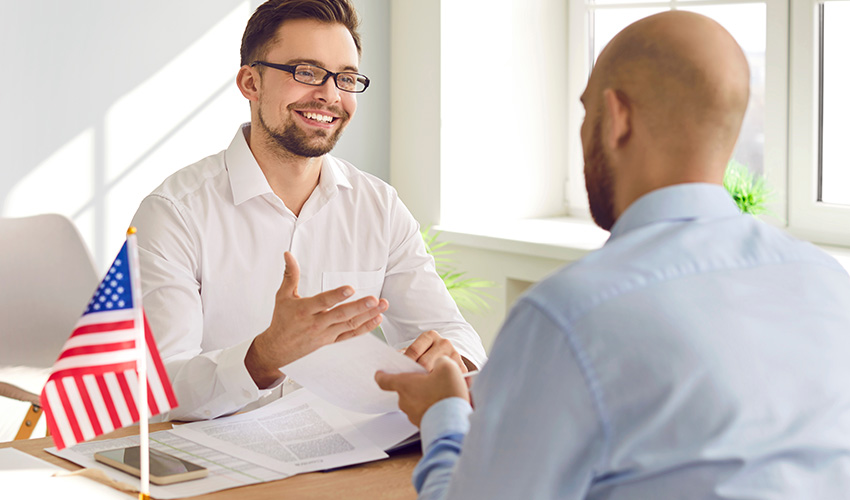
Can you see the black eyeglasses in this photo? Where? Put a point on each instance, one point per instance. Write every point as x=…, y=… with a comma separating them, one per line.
x=317, y=76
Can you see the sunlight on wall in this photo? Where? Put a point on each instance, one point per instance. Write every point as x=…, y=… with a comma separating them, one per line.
x=173, y=120
x=187, y=110
x=503, y=86
x=63, y=183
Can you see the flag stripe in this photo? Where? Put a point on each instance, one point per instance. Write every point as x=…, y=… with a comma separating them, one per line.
x=101, y=338
x=61, y=435
x=76, y=401
x=117, y=396
x=129, y=399
x=95, y=370
x=97, y=349
x=110, y=408
x=103, y=327
x=68, y=411
x=159, y=368
x=93, y=360
x=98, y=407
x=87, y=403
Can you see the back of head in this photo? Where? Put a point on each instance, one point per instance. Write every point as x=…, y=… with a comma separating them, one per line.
x=685, y=78
x=267, y=19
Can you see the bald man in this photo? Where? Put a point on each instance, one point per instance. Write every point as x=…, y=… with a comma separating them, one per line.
x=698, y=354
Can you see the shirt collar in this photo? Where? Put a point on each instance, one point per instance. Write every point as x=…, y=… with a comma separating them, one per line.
x=248, y=181
x=246, y=178
x=676, y=203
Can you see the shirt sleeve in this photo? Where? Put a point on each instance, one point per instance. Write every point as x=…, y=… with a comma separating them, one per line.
x=419, y=300
x=208, y=383
x=442, y=430
x=536, y=431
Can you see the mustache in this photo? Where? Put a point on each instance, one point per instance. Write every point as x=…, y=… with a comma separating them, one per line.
x=336, y=110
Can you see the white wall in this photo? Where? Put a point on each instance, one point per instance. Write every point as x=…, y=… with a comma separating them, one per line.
x=101, y=100
x=451, y=147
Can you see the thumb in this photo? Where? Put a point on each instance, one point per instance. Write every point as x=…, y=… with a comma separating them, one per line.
x=386, y=381
x=291, y=275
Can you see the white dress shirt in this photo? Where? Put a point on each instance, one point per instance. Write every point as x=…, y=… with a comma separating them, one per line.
x=700, y=354
x=211, y=243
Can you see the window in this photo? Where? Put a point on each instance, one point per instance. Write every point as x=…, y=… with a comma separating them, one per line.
x=834, y=104
x=819, y=177
x=596, y=23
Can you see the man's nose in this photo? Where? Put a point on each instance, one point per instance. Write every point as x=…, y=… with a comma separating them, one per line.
x=328, y=92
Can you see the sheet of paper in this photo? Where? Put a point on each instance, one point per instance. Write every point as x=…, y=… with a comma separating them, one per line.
x=344, y=373
x=386, y=430
x=25, y=476
x=225, y=470
x=296, y=434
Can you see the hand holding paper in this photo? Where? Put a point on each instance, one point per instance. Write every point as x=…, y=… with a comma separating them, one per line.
x=344, y=373
x=418, y=391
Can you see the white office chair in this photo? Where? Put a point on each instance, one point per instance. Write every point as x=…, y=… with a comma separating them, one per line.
x=47, y=277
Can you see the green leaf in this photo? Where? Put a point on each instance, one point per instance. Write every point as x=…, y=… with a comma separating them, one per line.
x=751, y=194
x=468, y=293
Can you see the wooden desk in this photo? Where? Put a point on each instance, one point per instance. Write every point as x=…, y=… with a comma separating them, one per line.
x=384, y=479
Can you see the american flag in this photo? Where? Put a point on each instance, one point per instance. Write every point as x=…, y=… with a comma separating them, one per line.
x=93, y=388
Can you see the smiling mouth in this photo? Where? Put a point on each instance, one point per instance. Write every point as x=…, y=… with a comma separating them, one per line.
x=317, y=117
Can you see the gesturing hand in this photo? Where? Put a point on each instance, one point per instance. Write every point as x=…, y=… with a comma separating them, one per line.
x=300, y=325
x=418, y=391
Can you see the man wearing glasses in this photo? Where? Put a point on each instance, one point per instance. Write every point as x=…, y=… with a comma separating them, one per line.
x=216, y=237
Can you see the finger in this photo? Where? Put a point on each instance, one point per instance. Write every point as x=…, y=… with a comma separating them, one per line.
x=291, y=275
x=440, y=348
x=420, y=345
x=386, y=381
x=321, y=302
x=343, y=317
x=364, y=328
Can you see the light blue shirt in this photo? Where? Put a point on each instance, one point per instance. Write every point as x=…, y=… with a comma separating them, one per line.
x=699, y=354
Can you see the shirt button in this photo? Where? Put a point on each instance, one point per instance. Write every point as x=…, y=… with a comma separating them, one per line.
x=246, y=393
x=207, y=413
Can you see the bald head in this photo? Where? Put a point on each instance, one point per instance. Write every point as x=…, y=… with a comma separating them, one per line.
x=685, y=78
x=664, y=105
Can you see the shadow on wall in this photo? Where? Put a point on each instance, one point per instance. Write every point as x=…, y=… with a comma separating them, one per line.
x=104, y=99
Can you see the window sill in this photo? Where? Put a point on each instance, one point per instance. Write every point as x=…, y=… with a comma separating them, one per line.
x=561, y=238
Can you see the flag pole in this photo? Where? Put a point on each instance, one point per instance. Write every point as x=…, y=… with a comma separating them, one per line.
x=141, y=366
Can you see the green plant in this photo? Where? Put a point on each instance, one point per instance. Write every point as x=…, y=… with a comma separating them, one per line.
x=468, y=293
x=750, y=193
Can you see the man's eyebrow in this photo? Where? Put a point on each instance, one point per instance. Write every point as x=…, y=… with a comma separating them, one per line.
x=314, y=62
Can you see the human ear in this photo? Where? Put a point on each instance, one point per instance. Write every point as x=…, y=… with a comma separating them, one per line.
x=618, y=114
x=247, y=80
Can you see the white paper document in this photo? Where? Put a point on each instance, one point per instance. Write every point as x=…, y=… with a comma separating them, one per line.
x=225, y=470
x=296, y=434
x=344, y=373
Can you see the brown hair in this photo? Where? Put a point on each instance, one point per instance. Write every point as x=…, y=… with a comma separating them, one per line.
x=266, y=20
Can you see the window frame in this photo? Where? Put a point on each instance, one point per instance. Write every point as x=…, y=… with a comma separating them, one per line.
x=809, y=218
x=776, y=96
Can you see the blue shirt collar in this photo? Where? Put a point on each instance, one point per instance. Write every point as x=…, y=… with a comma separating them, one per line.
x=679, y=202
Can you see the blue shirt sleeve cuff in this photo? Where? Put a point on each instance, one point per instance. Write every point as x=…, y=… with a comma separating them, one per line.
x=447, y=417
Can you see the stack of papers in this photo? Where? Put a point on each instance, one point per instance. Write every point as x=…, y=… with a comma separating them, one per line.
x=299, y=433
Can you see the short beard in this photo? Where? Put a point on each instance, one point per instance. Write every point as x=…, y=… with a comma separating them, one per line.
x=295, y=141
x=599, y=182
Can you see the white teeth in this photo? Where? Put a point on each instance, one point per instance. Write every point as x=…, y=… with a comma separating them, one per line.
x=318, y=117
